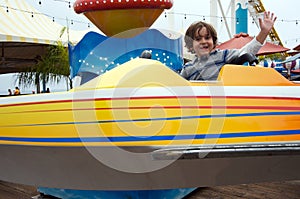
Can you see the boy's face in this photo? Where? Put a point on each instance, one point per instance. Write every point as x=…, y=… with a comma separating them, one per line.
x=203, y=42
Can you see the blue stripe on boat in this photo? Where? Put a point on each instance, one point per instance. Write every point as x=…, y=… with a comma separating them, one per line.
x=153, y=138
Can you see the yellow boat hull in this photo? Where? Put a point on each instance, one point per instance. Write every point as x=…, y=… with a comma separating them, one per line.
x=161, y=125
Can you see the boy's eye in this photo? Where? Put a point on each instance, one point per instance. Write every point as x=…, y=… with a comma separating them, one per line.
x=206, y=38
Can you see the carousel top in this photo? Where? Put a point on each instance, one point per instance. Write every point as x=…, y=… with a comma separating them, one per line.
x=81, y=6
x=122, y=18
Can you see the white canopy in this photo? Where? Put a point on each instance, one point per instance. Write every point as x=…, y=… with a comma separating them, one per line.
x=20, y=22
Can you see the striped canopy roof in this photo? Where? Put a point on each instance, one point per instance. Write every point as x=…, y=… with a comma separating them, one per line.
x=20, y=22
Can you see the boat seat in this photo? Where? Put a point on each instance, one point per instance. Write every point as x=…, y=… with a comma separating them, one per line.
x=233, y=75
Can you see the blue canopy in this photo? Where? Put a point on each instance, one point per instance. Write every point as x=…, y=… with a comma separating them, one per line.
x=97, y=54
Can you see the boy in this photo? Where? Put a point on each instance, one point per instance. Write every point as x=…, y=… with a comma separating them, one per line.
x=201, y=39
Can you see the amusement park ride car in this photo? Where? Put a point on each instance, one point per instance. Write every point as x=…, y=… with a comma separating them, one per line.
x=140, y=130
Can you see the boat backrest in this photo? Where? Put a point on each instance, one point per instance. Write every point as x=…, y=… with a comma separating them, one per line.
x=234, y=75
x=137, y=73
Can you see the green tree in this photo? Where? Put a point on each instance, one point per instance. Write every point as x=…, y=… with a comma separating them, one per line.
x=52, y=67
x=274, y=56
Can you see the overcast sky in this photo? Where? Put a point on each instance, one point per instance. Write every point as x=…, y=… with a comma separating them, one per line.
x=287, y=13
x=185, y=12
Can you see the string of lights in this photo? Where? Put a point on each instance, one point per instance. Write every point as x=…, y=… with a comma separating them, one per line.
x=296, y=21
x=185, y=15
x=166, y=14
x=197, y=15
x=64, y=1
x=204, y=17
x=33, y=13
x=292, y=40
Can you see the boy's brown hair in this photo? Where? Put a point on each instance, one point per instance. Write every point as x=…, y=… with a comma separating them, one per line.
x=196, y=27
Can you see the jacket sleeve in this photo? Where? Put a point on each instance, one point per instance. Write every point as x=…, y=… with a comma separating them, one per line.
x=252, y=47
